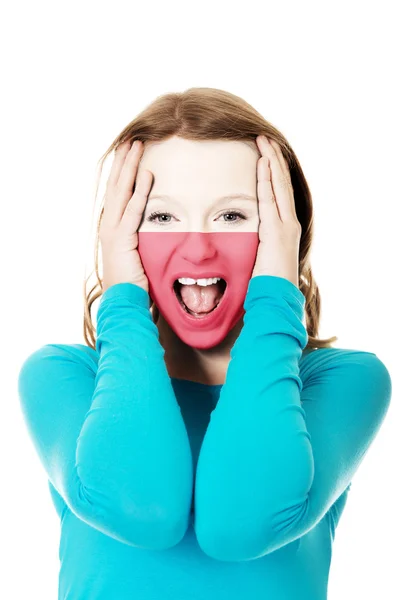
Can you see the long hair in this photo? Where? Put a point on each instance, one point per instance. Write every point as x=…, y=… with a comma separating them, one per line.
x=213, y=114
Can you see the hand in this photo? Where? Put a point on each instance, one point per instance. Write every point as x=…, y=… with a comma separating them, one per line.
x=121, y=219
x=279, y=230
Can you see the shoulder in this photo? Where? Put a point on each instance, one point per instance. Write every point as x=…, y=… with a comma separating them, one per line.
x=58, y=355
x=357, y=366
x=325, y=357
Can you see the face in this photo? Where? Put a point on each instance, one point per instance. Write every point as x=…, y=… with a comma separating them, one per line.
x=201, y=231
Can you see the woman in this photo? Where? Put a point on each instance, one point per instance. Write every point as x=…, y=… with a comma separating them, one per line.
x=204, y=444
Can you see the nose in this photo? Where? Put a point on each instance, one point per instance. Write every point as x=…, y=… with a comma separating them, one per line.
x=197, y=247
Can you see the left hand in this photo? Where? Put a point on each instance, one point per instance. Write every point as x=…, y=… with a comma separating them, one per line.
x=279, y=229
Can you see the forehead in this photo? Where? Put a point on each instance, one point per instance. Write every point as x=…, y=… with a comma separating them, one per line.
x=177, y=150
x=177, y=161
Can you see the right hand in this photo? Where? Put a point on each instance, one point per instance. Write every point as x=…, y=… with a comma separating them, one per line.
x=122, y=217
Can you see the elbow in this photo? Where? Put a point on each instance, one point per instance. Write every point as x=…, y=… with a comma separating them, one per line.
x=148, y=528
x=218, y=547
x=172, y=533
x=248, y=542
x=235, y=548
x=157, y=535
x=148, y=533
x=153, y=534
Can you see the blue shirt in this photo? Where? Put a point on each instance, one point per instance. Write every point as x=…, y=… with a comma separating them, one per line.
x=168, y=489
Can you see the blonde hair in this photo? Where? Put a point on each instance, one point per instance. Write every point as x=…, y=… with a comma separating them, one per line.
x=213, y=114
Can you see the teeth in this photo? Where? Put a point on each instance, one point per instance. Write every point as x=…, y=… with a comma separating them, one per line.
x=204, y=282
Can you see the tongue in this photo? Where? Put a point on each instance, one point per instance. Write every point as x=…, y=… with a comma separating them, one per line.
x=200, y=298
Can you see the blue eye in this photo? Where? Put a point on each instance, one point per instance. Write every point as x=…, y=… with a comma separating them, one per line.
x=158, y=213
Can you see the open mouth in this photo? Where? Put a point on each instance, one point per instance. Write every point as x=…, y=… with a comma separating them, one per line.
x=177, y=289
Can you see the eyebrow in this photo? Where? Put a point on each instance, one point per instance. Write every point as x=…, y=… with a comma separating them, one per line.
x=227, y=197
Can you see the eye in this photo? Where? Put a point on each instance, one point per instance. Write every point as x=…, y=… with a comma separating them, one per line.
x=159, y=213
x=236, y=213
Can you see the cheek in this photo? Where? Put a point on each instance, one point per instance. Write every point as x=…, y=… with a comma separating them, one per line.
x=240, y=250
x=156, y=250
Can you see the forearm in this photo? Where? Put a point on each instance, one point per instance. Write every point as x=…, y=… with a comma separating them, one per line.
x=256, y=466
x=133, y=454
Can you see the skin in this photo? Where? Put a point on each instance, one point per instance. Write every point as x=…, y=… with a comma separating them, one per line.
x=195, y=173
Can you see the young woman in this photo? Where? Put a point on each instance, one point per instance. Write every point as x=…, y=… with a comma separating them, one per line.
x=203, y=444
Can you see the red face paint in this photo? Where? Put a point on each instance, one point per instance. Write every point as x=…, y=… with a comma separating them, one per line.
x=167, y=256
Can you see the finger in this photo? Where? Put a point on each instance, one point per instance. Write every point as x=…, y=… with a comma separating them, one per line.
x=285, y=183
x=119, y=194
x=129, y=168
x=280, y=184
x=135, y=208
x=119, y=159
x=282, y=161
x=267, y=206
x=112, y=210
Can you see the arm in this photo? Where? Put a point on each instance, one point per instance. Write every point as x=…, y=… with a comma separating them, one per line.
x=107, y=427
x=287, y=435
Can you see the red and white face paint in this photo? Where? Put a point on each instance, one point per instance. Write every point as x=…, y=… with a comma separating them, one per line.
x=197, y=242
x=168, y=256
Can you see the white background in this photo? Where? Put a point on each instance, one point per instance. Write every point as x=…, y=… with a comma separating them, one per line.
x=74, y=74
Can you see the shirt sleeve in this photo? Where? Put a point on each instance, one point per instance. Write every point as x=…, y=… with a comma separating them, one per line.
x=108, y=429
x=288, y=432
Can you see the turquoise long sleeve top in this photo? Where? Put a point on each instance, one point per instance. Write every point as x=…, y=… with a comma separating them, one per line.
x=169, y=489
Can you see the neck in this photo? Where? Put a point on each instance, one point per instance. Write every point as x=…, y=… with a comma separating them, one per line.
x=185, y=362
